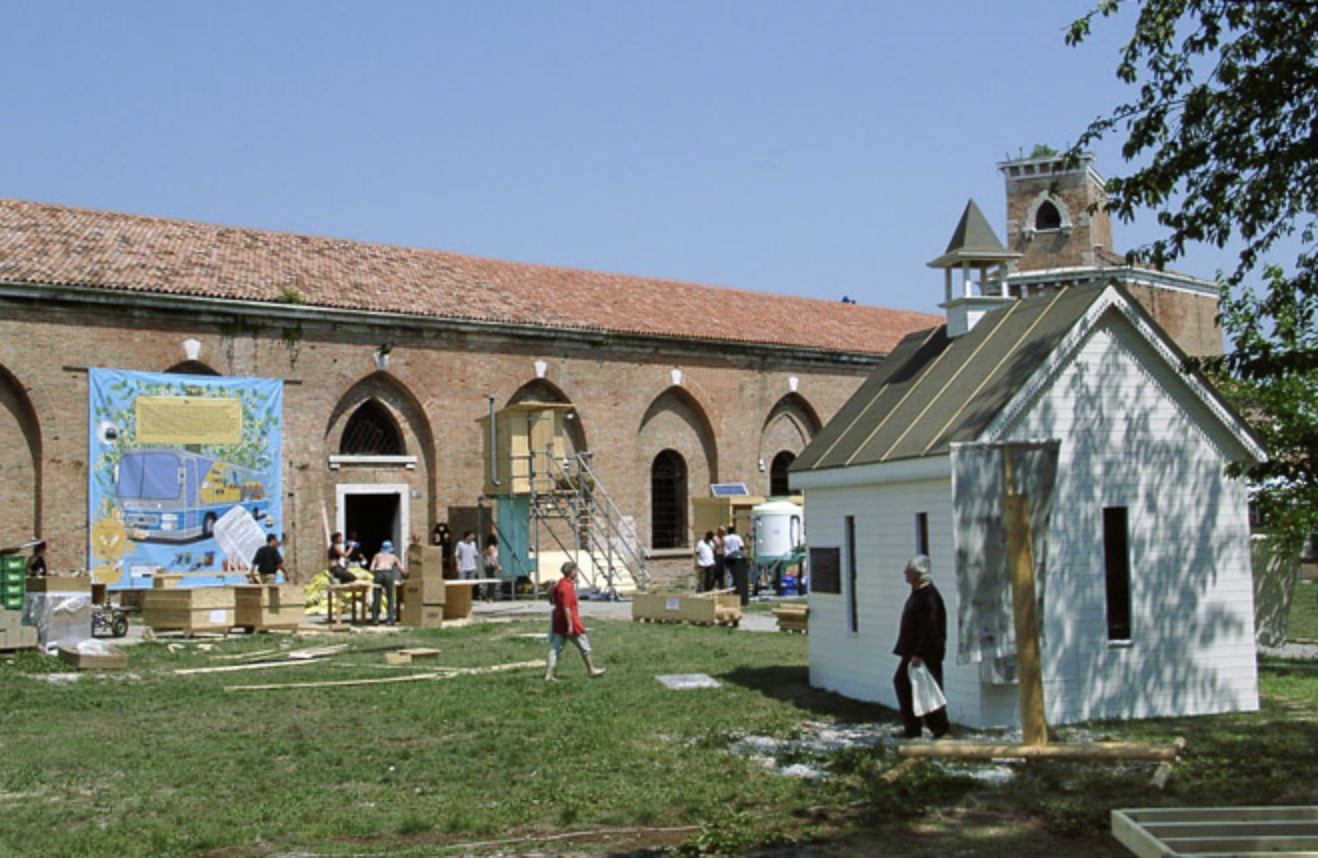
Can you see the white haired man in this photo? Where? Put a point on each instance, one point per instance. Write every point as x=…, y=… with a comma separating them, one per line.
x=922, y=639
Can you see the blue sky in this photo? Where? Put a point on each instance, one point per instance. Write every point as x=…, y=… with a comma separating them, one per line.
x=818, y=148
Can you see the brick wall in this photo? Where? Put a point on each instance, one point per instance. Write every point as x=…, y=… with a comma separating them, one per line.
x=436, y=386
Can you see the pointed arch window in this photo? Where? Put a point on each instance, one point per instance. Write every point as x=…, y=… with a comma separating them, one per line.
x=371, y=431
x=1047, y=217
x=779, y=484
x=668, y=500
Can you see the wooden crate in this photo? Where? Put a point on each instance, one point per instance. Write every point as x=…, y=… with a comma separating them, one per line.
x=260, y=607
x=699, y=608
x=15, y=635
x=192, y=609
x=793, y=618
x=113, y=660
x=59, y=584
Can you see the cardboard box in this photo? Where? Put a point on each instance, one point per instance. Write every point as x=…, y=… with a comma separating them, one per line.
x=424, y=591
x=422, y=616
x=425, y=561
x=192, y=609
x=113, y=660
x=700, y=608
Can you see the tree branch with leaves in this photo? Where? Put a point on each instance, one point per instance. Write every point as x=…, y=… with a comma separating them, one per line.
x=1224, y=130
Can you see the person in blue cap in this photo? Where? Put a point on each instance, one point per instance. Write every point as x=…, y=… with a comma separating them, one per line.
x=388, y=572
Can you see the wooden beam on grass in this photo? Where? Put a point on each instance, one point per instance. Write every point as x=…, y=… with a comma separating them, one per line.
x=1095, y=751
x=448, y=673
x=260, y=665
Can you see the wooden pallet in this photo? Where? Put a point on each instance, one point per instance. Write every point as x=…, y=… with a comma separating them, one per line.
x=698, y=609
x=1149, y=832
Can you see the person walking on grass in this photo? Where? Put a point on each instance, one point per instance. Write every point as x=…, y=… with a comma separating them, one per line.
x=566, y=624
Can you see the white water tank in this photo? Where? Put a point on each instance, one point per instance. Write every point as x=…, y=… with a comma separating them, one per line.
x=778, y=528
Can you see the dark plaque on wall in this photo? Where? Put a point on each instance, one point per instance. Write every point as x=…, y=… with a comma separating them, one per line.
x=826, y=570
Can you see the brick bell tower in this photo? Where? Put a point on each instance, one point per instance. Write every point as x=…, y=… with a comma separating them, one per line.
x=1048, y=218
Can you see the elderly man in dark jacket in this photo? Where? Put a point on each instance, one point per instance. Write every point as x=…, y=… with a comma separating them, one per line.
x=922, y=640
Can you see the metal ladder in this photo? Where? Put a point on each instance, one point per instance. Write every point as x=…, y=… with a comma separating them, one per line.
x=568, y=492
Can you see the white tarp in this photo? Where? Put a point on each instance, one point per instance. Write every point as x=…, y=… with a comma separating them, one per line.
x=979, y=490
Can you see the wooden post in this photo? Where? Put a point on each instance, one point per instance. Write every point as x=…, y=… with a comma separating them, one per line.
x=1029, y=668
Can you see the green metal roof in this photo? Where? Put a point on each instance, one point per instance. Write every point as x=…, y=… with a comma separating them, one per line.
x=973, y=241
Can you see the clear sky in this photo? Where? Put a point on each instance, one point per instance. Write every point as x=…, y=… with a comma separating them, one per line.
x=802, y=148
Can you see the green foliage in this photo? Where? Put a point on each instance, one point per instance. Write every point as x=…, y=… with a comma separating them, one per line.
x=734, y=833
x=1224, y=126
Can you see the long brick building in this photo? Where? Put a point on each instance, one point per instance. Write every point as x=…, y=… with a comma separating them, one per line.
x=390, y=357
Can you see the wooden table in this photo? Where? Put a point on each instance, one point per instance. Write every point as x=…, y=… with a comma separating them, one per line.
x=356, y=596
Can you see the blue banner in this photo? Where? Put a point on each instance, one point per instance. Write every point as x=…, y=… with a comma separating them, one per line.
x=184, y=476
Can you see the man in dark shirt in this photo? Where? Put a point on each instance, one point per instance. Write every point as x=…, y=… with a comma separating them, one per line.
x=921, y=640
x=267, y=562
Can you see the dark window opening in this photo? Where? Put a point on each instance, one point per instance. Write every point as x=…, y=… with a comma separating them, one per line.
x=922, y=533
x=1116, y=559
x=668, y=500
x=778, y=482
x=1047, y=217
x=853, y=613
x=371, y=431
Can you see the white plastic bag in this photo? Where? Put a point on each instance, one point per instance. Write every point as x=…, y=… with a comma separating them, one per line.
x=926, y=696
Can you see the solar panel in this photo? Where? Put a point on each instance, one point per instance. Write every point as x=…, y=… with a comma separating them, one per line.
x=728, y=490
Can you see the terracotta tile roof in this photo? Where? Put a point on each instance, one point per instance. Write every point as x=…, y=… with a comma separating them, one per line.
x=60, y=246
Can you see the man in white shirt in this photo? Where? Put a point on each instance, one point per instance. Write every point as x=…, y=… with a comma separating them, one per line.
x=466, y=553
x=705, y=564
x=734, y=555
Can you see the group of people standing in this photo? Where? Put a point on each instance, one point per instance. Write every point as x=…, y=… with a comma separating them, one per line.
x=720, y=554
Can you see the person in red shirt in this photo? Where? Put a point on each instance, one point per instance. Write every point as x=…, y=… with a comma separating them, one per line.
x=566, y=624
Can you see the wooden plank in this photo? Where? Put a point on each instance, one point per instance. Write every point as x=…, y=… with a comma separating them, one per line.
x=447, y=673
x=1243, y=831
x=340, y=683
x=1025, y=611
x=1089, y=751
x=1212, y=814
x=1133, y=836
x=231, y=668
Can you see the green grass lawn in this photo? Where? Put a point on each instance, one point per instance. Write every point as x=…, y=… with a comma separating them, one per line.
x=147, y=762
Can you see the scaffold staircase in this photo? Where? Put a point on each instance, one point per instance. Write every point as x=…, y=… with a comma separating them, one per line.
x=569, y=505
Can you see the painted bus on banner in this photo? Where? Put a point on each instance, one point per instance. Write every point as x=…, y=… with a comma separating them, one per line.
x=172, y=495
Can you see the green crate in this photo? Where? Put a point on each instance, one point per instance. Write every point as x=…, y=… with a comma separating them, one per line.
x=11, y=562
x=12, y=576
x=12, y=603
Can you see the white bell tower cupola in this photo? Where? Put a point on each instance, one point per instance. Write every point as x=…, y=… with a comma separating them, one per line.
x=983, y=263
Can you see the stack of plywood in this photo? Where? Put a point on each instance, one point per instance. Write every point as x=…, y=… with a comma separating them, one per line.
x=793, y=618
x=13, y=634
x=109, y=659
x=423, y=592
x=262, y=607
x=723, y=609
x=191, y=609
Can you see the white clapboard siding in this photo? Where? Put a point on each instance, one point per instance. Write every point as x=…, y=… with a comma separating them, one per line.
x=1132, y=435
